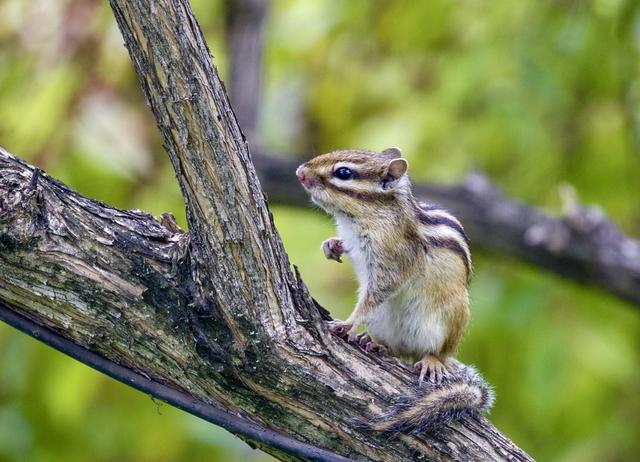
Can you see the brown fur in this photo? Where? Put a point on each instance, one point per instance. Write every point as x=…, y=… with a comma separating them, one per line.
x=394, y=233
x=400, y=248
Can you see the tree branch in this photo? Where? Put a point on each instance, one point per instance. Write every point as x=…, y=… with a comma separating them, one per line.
x=583, y=245
x=215, y=314
x=120, y=286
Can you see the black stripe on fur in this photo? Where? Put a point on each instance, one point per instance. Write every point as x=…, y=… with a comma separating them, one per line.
x=434, y=220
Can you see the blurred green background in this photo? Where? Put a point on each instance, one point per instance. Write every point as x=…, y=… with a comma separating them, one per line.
x=535, y=93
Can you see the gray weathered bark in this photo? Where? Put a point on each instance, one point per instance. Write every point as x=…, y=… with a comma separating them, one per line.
x=214, y=314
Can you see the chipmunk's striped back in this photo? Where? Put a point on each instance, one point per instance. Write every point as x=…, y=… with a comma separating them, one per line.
x=441, y=229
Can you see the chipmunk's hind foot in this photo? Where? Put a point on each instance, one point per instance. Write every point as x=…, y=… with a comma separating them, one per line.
x=431, y=368
x=368, y=344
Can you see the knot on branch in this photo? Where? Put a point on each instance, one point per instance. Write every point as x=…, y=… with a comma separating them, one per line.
x=22, y=215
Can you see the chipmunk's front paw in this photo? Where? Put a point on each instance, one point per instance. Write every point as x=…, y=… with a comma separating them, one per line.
x=333, y=249
x=431, y=368
x=344, y=329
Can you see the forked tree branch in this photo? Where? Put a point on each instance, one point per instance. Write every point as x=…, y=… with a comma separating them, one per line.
x=216, y=314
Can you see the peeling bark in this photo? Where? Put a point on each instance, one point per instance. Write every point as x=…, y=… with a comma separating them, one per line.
x=215, y=314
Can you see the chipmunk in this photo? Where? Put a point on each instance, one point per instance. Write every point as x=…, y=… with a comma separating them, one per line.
x=412, y=261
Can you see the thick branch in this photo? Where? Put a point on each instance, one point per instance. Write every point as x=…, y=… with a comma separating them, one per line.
x=215, y=314
x=117, y=284
x=583, y=245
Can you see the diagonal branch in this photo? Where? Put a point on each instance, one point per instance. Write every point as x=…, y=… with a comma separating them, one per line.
x=215, y=314
x=582, y=245
x=97, y=282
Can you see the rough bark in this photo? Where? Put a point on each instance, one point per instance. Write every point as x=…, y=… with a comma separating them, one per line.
x=124, y=287
x=215, y=314
x=583, y=245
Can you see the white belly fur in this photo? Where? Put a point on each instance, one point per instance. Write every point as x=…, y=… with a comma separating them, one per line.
x=351, y=241
x=410, y=323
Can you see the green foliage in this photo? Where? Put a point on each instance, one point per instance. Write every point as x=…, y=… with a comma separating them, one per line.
x=535, y=93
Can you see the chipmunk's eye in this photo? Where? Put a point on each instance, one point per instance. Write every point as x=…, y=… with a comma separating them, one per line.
x=343, y=173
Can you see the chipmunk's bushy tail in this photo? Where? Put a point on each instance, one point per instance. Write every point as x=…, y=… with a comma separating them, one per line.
x=465, y=392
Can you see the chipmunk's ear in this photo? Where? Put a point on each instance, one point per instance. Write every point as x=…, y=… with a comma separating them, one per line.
x=392, y=153
x=395, y=170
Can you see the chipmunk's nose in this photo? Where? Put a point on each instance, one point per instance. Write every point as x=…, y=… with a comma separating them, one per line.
x=305, y=177
x=300, y=173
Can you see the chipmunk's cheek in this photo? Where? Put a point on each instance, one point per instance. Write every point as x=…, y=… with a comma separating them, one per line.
x=319, y=196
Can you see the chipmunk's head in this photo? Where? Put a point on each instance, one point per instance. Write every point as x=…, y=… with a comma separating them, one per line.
x=354, y=181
